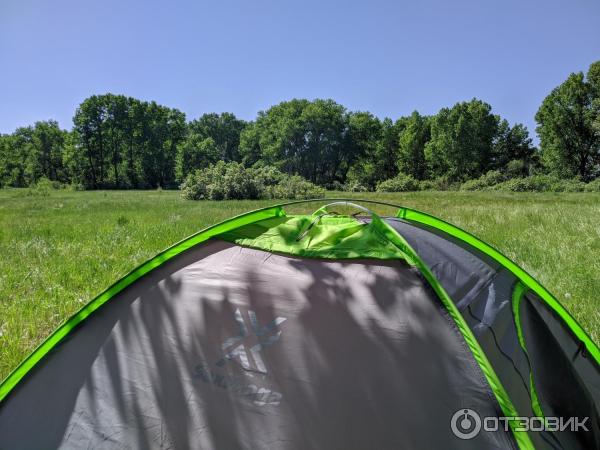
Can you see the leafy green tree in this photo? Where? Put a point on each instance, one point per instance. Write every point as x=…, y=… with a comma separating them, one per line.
x=301, y=137
x=89, y=127
x=13, y=159
x=379, y=159
x=411, y=147
x=47, y=143
x=249, y=149
x=31, y=153
x=124, y=142
x=461, y=145
x=514, y=144
x=74, y=161
x=363, y=146
x=363, y=135
x=388, y=147
x=568, y=126
x=323, y=157
x=195, y=152
x=12, y=162
x=116, y=116
x=224, y=129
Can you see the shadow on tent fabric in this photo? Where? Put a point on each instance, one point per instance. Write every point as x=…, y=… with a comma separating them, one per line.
x=228, y=347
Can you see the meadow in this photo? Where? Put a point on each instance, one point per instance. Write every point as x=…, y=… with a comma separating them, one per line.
x=59, y=249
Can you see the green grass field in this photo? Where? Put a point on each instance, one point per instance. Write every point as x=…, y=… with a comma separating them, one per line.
x=59, y=251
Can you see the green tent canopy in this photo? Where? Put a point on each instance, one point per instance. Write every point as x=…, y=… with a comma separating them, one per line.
x=299, y=331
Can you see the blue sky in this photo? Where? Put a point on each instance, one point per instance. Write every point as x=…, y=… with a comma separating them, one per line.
x=387, y=57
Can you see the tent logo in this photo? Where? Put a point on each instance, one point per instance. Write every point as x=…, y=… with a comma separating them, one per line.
x=247, y=345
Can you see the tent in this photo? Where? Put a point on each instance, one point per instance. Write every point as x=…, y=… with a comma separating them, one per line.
x=313, y=331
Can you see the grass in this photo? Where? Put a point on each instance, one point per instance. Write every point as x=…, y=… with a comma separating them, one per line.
x=60, y=248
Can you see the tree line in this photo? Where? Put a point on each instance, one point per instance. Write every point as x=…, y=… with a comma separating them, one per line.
x=119, y=142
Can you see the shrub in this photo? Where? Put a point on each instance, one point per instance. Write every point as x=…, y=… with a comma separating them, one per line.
x=516, y=168
x=76, y=187
x=427, y=185
x=222, y=181
x=295, y=187
x=195, y=185
x=535, y=183
x=363, y=174
x=229, y=181
x=444, y=183
x=541, y=183
x=266, y=176
x=43, y=187
x=593, y=186
x=335, y=185
x=355, y=187
x=400, y=183
x=491, y=178
x=572, y=185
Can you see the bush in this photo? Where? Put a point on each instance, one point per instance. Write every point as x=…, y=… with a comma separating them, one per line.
x=535, y=183
x=222, y=181
x=593, y=186
x=572, y=185
x=266, y=176
x=492, y=178
x=355, y=187
x=541, y=183
x=295, y=187
x=516, y=168
x=427, y=185
x=400, y=183
x=362, y=175
x=232, y=181
x=76, y=187
x=444, y=183
x=43, y=187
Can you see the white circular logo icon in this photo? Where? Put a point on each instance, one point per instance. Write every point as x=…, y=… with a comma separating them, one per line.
x=465, y=424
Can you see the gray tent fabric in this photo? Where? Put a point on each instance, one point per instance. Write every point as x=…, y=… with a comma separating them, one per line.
x=229, y=347
x=572, y=349
x=552, y=374
x=482, y=290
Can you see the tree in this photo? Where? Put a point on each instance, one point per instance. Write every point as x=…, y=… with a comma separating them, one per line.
x=224, y=129
x=363, y=149
x=123, y=142
x=74, y=161
x=116, y=116
x=162, y=130
x=195, y=152
x=249, y=149
x=411, y=148
x=461, y=145
x=301, y=137
x=17, y=164
x=514, y=144
x=89, y=127
x=568, y=126
x=388, y=147
x=13, y=159
x=31, y=153
x=378, y=160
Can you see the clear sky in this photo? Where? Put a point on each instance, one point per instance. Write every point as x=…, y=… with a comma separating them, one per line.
x=389, y=57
